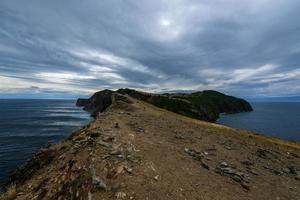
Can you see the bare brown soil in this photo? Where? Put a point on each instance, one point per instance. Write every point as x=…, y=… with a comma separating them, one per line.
x=137, y=151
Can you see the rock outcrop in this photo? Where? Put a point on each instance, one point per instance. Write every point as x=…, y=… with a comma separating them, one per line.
x=96, y=103
x=206, y=105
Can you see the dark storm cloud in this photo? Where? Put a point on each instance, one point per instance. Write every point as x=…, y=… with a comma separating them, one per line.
x=244, y=48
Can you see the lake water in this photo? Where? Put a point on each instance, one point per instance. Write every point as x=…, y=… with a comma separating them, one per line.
x=277, y=119
x=28, y=125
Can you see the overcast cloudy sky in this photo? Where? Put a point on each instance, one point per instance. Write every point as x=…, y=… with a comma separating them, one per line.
x=63, y=48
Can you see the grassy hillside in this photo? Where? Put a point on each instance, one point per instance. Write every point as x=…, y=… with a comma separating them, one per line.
x=206, y=105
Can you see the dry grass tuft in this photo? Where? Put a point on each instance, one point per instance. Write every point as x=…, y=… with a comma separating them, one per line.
x=10, y=194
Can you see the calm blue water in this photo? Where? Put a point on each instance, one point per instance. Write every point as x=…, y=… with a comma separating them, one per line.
x=27, y=125
x=277, y=119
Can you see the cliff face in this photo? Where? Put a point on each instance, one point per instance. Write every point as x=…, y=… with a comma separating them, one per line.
x=206, y=105
x=134, y=150
x=96, y=103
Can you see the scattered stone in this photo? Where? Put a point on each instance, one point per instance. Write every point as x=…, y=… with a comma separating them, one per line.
x=292, y=170
x=277, y=172
x=253, y=172
x=228, y=147
x=105, y=157
x=238, y=176
x=94, y=134
x=211, y=149
x=261, y=153
x=195, y=154
x=156, y=177
x=223, y=164
x=105, y=144
x=189, y=151
x=295, y=155
x=180, y=137
x=274, y=171
x=109, y=139
x=247, y=162
x=120, y=156
x=204, y=165
x=228, y=170
x=286, y=170
x=99, y=183
x=186, y=150
x=128, y=169
x=115, y=152
x=266, y=154
x=121, y=195
x=245, y=185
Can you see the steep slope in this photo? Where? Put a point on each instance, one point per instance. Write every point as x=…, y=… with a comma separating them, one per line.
x=134, y=150
x=206, y=105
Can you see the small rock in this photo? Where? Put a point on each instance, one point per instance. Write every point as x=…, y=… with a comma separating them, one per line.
x=98, y=183
x=204, y=165
x=228, y=147
x=105, y=144
x=261, y=153
x=253, y=172
x=115, y=152
x=277, y=172
x=223, y=164
x=120, y=156
x=245, y=185
x=286, y=170
x=105, y=157
x=128, y=169
x=295, y=155
x=228, y=170
x=121, y=195
x=94, y=134
x=156, y=177
x=180, y=137
x=292, y=170
x=211, y=149
x=117, y=125
x=237, y=178
x=247, y=162
x=186, y=150
x=189, y=151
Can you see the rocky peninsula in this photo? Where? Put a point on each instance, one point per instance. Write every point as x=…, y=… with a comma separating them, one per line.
x=205, y=105
x=140, y=147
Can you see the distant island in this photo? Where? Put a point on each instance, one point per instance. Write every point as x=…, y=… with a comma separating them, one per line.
x=206, y=105
x=147, y=146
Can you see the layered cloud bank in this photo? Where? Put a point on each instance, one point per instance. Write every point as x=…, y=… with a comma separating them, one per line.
x=246, y=48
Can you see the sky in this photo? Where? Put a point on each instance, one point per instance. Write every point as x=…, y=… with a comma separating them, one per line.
x=71, y=48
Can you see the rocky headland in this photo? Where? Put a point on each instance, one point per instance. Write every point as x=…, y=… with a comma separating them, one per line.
x=137, y=149
x=206, y=105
